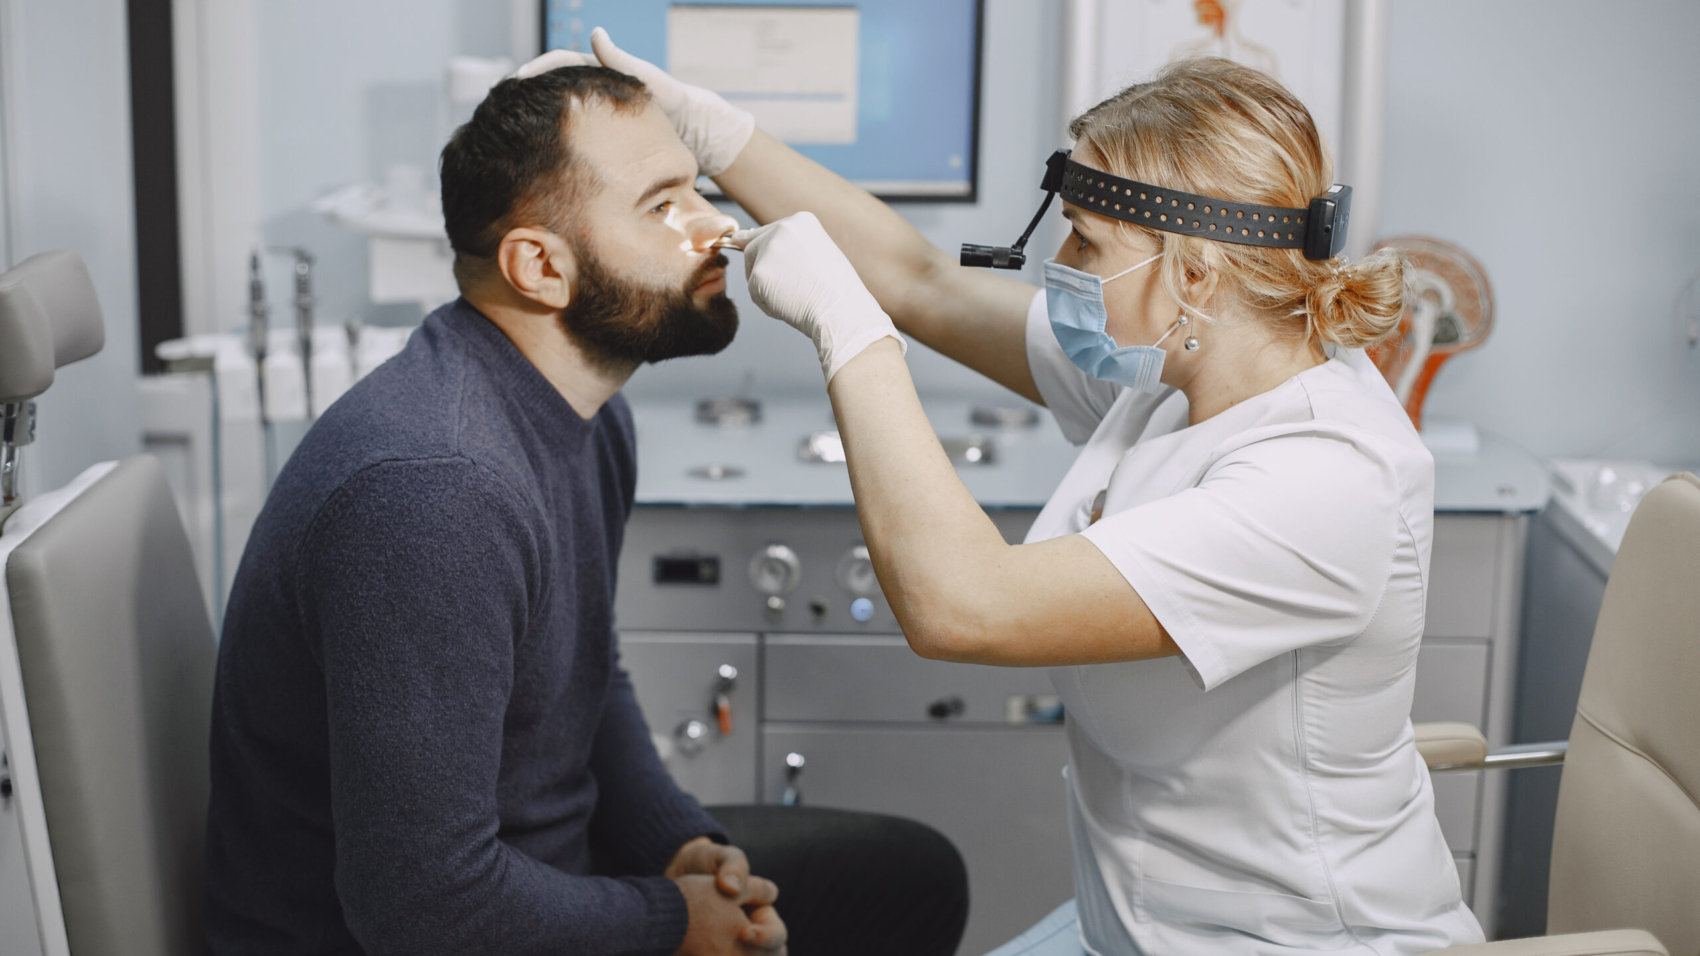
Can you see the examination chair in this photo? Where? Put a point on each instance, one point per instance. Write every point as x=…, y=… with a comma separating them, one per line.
x=106, y=670
x=1626, y=843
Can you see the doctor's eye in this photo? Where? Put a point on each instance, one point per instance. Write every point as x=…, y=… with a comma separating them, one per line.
x=662, y=207
x=1079, y=239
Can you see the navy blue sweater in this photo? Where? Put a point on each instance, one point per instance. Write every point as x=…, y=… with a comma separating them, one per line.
x=422, y=741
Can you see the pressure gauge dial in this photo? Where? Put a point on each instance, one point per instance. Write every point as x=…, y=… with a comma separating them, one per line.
x=776, y=570
x=856, y=572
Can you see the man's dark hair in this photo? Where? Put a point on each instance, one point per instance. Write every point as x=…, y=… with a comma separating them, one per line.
x=510, y=164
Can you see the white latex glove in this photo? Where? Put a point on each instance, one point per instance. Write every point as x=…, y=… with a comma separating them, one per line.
x=714, y=130
x=554, y=60
x=799, y=276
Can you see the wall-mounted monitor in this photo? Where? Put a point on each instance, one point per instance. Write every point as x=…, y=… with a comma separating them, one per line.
x=883, y=92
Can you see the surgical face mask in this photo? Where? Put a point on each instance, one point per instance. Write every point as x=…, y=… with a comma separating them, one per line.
x=1075, y=302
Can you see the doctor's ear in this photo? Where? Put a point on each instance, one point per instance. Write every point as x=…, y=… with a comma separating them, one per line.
x=1201, y=283
x=539, y=265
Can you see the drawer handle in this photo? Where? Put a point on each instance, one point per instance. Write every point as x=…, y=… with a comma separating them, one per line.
x=793, y=796
x=728, y=678
x=946, y=707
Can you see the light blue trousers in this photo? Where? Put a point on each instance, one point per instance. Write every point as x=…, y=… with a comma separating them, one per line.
x=1056, y=935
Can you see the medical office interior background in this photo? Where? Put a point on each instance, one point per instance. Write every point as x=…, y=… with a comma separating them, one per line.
x=1556, y=141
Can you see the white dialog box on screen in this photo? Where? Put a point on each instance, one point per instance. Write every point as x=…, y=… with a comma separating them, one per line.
x=793, y=68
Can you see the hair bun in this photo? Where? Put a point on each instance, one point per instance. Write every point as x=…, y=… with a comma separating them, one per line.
x=1355, y=305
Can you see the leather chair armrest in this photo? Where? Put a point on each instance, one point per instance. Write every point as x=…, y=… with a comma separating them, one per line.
x=1611, y=942
x=1450, y=743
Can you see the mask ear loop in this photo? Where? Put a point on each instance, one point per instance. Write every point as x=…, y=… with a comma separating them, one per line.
x=1191, y=343
x=1130, y=269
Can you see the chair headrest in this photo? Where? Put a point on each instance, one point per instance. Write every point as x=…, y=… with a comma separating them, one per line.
x=49, y=318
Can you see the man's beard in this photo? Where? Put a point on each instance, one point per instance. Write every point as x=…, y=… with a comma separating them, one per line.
x=620, y=323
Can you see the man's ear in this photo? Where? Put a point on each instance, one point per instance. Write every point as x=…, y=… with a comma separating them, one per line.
x=539, y=265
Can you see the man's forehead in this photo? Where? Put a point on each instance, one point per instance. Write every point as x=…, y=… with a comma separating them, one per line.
x=627, y=150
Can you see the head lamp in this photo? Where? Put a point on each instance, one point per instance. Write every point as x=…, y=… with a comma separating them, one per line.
x=1319, y=229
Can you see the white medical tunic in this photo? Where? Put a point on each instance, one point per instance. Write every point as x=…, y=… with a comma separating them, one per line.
x=1263, y=792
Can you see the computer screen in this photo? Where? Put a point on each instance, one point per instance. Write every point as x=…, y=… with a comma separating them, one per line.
x=883, y=92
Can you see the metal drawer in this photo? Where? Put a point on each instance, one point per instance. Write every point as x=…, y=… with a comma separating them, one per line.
x=1462, y=574
x=997, y=793
x=879, y=679
x=676, y=678
x=1451, y=681
x=1456, y=799
x=1466, y=864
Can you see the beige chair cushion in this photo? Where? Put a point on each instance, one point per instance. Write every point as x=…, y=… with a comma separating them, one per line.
x=1446, y=742
x=1611, y=942
x=1626, y=843
x=117, y=659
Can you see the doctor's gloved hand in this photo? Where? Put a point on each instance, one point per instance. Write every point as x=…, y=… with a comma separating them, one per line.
x=714, y=130
x=799, y=276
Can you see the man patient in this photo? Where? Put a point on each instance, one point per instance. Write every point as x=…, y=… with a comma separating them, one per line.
x=422, y=740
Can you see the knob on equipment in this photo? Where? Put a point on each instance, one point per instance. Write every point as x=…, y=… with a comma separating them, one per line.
x=690, y=737
x=856, y=572
x=776, y=570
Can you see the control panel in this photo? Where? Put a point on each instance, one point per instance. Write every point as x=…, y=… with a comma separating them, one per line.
x=757, y=569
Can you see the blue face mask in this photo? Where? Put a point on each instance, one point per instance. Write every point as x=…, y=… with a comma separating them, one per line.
x=1075, y=302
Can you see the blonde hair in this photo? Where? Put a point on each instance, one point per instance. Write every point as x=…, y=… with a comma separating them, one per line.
x=1213, y=127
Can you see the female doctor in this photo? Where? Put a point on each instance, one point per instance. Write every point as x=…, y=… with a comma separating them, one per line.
x=1229, y=584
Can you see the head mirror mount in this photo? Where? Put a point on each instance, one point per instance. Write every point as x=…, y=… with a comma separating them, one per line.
x=1015, y=256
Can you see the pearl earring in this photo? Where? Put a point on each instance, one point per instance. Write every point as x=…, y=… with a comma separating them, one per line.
x=1191, y=343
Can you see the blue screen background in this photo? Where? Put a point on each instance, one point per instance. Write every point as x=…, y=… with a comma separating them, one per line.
x=915, y=95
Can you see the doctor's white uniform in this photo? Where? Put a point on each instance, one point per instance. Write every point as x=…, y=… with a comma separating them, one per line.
x=1262, y=793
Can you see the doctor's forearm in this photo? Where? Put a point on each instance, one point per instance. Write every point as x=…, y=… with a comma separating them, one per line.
x=973, y=317
x=925, y=533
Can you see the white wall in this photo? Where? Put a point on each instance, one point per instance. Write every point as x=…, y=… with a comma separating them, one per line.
x=1558, y=141
x=67, y=116
x=344, y=91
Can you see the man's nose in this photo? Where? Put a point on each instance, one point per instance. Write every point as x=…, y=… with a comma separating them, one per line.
x=703, y=230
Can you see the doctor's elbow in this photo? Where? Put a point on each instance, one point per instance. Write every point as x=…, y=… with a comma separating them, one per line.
x=943, y=636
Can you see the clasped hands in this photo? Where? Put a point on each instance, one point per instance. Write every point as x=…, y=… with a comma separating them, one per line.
x=731, y=911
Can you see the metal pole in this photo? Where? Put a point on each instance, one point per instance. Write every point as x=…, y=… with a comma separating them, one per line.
x=257, y=339
x=303, y=315
x=17, y=429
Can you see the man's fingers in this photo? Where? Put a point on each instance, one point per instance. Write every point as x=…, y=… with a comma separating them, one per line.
x=766, y=932
x=733, y=870
x=759, y=891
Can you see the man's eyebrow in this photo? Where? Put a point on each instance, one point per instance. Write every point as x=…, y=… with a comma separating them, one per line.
x=671, y=182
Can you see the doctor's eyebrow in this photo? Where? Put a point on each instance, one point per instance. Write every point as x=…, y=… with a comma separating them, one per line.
x=660, y=186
